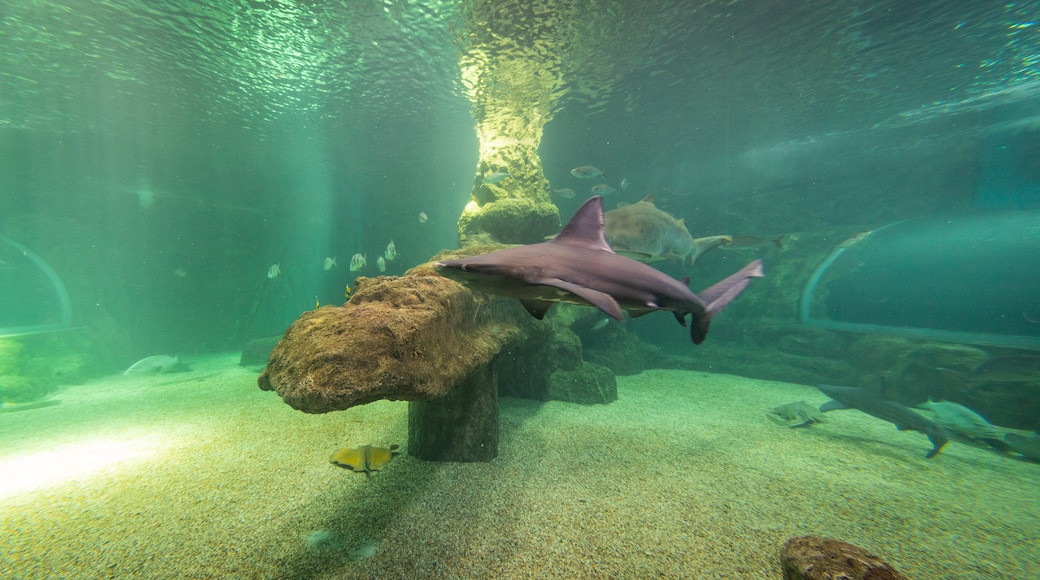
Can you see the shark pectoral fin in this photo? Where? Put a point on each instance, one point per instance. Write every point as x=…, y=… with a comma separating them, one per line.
x=537, y=308
x=833, y=406
x=601, y=300
x=679, y=316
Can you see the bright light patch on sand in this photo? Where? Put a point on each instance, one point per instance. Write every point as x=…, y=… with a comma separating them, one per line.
x=32, y=471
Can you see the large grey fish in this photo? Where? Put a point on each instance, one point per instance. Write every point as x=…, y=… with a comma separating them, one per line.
x=579, y=267
x=1028, y=445
x=873, y=404
x=645, y=233
x=960, y=420
x=157, y=364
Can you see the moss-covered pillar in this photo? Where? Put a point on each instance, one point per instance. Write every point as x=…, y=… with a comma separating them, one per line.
x=512, y=75
x=460, y=426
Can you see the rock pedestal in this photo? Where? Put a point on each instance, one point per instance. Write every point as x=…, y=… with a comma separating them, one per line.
x=460, y=426
x=426, y=339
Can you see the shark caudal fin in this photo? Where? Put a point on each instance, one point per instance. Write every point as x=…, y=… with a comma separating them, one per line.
x=719, y=295
x=939, y=440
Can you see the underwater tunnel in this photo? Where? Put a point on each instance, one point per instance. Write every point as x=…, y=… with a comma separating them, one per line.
x=34, y=298
x=972, y=278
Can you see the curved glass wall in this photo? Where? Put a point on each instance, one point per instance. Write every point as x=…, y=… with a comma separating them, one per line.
x=968, y=278
x=34, y=297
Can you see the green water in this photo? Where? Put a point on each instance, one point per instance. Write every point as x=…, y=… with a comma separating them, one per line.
x=159, y=159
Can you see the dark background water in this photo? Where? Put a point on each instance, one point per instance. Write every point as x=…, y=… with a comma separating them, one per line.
x=163, y=155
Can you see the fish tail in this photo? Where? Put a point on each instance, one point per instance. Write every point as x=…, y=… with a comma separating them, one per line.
x=719, y=295
x=938, y=439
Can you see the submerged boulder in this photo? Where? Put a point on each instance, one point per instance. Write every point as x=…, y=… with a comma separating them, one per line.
x=816, y=558
x=408, y=338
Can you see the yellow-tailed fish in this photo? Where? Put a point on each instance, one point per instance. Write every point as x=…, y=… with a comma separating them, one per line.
x=364, y=459
x=347, y=293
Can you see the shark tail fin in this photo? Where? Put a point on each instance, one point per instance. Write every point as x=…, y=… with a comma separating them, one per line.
x=719, y=295
x=939, y=440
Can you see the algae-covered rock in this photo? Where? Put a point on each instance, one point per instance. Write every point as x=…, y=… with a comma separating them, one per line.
x=411, y=338
x=11, y=359
x=551, y=368
x=816, y=558
x=19, y=389
x=515, y=220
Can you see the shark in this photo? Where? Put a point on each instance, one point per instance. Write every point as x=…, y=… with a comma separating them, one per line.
x=579, y=267
x=645, y=233
x=871, y=403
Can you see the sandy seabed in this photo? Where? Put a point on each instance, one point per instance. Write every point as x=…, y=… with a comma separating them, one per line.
x=202, y=475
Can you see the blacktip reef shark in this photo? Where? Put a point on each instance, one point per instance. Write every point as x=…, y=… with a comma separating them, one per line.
x=579, y=267
x=871, y=403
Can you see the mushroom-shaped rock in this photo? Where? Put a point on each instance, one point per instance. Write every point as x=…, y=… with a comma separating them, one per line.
x=816, y=558
x=411, y=338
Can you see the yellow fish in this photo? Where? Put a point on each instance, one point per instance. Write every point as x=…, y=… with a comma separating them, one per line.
x=347, y=294
x=363, y=459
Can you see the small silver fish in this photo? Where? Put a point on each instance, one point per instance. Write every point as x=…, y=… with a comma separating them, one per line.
x=624, y=183
x=180, y=272
x=391, y=251
x=602, y=189
x=329, y=264
x=748, y=243
x=586, y=172
x=422, y=217
x=357, y=262
x=494, y=177
x=564, y=193
x=381, y=264
x=273, y=271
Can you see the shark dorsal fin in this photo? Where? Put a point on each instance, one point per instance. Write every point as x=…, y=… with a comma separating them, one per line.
x=648, y=199
x=586, y=227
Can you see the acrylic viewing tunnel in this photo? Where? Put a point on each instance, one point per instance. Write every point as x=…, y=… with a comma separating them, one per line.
x=32, y=296
x=971, y=278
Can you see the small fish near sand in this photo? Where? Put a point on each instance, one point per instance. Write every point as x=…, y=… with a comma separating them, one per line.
x=495, y=177
x=159, y=364
x=357, y=262
x=364, y=459
x=274, y=271
x=391, y=251
x=797, y=414
x=586, y=172
x=329, y=264
x=381, y=264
